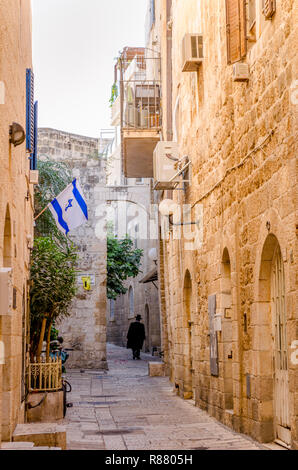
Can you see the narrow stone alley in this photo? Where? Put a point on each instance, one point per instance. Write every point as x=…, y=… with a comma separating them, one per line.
x=125, y=409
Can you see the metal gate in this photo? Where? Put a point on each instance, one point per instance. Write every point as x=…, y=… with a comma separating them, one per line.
x=281, y=375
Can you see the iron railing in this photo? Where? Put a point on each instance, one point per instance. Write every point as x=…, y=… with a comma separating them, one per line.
x=140, y=91
x=45, y=376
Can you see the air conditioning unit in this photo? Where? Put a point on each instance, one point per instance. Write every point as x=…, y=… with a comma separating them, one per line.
x=269, y=8
x=192, y=52
x=240, y=72
x=5, y=291
x=33, y=176
x=165, y=158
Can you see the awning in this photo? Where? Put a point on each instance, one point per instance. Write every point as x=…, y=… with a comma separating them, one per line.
x=150, y=277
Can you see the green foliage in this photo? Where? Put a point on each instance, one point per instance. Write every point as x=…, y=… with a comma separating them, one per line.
x=123, y=262
x=114, y=94
x=54, y=333
x=53, y=178
x=53, y=283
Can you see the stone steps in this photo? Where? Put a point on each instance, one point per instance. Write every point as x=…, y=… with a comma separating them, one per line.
x=17, y=445
x=49, y=435
x=24, y=446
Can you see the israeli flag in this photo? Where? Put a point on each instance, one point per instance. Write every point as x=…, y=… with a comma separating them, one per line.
x=69, y=209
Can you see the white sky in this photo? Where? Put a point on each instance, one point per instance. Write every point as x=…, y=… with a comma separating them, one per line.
x=75, y=43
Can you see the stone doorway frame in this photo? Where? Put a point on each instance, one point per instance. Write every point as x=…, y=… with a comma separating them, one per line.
x=187, y=335
x=227, y=312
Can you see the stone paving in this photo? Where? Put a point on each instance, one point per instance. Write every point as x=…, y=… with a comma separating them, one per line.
x=125, y=409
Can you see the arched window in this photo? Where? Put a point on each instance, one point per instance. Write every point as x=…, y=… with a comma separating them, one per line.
x=131, y=302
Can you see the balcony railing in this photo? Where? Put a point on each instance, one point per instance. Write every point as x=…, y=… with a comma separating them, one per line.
x=141, y=94
x=141, y=105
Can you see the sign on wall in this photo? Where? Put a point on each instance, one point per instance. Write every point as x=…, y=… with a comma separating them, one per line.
x=81, y=278
x=213, y=336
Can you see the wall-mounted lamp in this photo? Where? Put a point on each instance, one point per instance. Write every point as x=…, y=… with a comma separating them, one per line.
x=17, y=134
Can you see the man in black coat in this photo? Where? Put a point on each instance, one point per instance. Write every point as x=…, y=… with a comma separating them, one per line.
x=136, y=337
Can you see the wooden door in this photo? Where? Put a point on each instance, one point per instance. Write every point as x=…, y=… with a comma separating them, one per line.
x=281, y=374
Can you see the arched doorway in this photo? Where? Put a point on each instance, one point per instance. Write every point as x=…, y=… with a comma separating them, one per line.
x=147, y=328
x=187, y=334
x=227, y=337
x=272, y=304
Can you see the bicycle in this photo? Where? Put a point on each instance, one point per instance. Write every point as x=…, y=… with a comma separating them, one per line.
x=66, y=386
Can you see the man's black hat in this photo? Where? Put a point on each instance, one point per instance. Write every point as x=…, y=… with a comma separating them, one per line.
x=138, y=317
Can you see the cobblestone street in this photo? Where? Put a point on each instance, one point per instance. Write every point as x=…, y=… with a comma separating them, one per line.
x=124, y=409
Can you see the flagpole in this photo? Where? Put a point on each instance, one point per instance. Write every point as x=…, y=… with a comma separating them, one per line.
x=41, y=213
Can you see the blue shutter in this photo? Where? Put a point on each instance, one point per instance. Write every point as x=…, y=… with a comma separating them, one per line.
x=29, y=110
x=33, y=162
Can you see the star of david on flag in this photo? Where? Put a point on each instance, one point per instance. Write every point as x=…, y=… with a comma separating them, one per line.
x=69, y=209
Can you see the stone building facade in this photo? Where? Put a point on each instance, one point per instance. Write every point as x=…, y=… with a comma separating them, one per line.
x=84, y=330
x=16, y=212
x=228, y=305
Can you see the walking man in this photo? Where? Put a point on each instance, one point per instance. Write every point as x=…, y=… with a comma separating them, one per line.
x=136, y=337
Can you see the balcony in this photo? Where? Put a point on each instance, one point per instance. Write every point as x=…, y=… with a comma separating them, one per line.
x=141, y=115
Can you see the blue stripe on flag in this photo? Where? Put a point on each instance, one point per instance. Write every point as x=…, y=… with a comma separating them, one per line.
x=79, y=199
x=59, y=213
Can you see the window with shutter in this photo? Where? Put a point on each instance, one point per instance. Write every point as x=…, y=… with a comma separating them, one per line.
x=29, y=110
x=31, y=120
x=236, y=30
x=33, y=161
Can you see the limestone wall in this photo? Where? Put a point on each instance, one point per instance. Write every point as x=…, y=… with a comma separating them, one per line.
x=85, y=328
x=240, y=138
x=16, y=202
